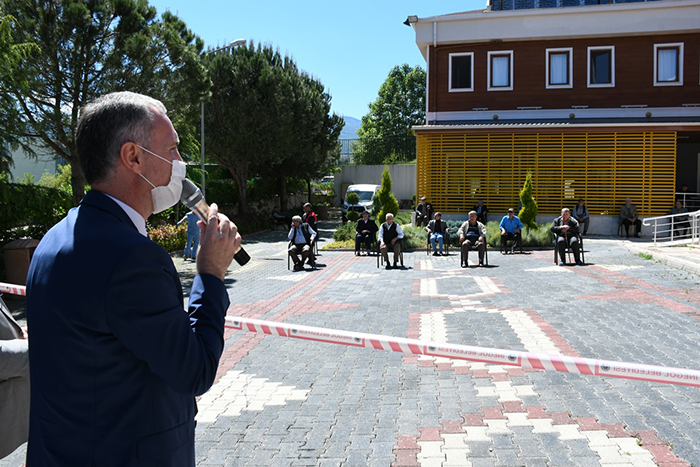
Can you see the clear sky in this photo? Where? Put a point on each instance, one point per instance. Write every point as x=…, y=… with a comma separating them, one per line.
x=349, y=46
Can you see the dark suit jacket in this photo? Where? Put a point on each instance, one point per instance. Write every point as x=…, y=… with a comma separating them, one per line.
x=369, y=225
x=115, y=360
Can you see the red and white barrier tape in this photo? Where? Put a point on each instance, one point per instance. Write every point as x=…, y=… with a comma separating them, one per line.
x=13, y=289
x=584, y=366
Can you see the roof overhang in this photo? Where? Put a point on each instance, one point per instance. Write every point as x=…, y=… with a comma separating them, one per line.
x=607, y=20
x=555, y=127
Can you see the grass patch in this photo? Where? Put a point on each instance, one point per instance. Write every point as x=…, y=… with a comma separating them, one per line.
x=645, y=255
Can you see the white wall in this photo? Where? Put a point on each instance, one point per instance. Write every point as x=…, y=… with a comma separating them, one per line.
x=36, y=167
x=403, y=179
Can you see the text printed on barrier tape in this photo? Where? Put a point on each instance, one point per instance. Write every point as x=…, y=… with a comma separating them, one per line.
x=584, y=366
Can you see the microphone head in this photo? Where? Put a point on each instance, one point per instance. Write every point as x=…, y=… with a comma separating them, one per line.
x=191, y=195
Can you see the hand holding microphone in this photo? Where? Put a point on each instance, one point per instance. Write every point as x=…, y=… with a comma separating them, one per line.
x=192, y=198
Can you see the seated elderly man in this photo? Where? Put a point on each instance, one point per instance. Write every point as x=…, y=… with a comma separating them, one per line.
x=389, y=234
x=437, y=230
x=680, y=223
x=301, y=238
x=629, y=216
x=366, y=232
x=565, y=228
x=511, y=228
x=472, y=235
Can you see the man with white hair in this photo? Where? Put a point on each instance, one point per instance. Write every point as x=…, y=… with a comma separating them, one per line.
x=301, y=238
x=390, y=233
x=565, y=229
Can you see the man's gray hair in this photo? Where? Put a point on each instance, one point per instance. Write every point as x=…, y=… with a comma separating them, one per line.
x=296, y=218
x=471, y=212
x=106, y=124
x=563, y=210
x=307, y=205
x=389, y=214
x=628, y=199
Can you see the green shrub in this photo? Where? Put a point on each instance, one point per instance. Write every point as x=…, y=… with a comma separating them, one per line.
x=528, y=213
x=169, y=236
x=386, y=197
x=540, y=236
x=403, y=218
x=414, y=238
x=352, y=198
x=29, y=211
x=352, y=216
x=345, y=232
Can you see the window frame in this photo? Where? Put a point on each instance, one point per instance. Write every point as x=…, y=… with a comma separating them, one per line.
x=500, y=53
x=589, y=70
x=679, y=63
x=450, y=88
x=569, y=71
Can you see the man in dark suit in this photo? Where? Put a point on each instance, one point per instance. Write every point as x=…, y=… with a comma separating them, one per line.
x=366, y=232
x=116, y=361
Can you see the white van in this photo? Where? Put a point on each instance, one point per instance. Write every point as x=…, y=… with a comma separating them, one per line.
x=366, y=192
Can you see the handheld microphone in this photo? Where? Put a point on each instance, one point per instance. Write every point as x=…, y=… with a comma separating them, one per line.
x=193, y=198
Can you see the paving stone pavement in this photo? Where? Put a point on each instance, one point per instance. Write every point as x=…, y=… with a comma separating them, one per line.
x=291, y=402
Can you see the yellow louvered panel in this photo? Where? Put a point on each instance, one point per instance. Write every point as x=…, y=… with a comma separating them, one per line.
x=454, y=170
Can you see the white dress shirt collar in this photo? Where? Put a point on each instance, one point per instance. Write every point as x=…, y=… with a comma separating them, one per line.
x=135, y=217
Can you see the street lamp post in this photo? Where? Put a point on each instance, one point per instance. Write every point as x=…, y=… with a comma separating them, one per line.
x=236, y=43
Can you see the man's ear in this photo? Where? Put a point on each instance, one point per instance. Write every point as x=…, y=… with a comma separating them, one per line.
x=130, y=156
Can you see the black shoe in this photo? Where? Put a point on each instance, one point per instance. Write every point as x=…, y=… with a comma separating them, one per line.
x=299, y=267
x=481, y=263
x=435, y=253
x=579, y=263
x=396, y=266
x=636, y=235
x=388, y=266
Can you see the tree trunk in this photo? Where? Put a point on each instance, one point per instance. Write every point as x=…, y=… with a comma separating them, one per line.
x=77, y=182
x=241, y=179
x=308, y=184
x=282, y=191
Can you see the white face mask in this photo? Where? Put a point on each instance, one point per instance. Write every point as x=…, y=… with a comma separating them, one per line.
x=168, y=195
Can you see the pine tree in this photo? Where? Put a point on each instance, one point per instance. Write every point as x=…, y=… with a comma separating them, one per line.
x=528, y=213
x=386, y=197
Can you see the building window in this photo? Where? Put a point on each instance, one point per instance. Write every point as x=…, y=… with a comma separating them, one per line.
x=668, y=64
x=500, y=70
x=461, y=72
x=559, y=68
x=601, y=67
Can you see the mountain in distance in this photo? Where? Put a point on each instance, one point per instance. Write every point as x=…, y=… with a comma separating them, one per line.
x=350, y=129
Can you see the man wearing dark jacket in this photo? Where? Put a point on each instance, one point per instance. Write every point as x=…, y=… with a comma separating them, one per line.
x=115, y=360
x=565, y=229
x=366, y=232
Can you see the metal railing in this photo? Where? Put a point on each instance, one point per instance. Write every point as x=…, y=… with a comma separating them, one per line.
x=671, y=228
